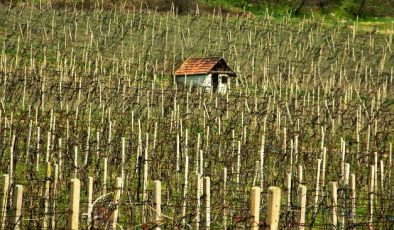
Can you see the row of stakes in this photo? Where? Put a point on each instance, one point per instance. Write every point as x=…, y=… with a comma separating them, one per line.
x=271, y=220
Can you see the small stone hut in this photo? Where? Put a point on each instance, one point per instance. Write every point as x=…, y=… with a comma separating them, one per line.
x=211, y=73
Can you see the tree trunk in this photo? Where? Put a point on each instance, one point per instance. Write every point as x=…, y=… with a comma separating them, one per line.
x=297, y=11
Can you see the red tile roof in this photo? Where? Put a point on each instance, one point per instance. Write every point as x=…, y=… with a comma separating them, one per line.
x=194, y=66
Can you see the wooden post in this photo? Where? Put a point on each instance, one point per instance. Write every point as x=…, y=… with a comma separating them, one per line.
x=334, y=204
x=197, y=218
x=375, y=183
x=347, y=171
x=317, y=186
x=288, y=177
x=353, y=197
x=185, y=189
x=371, y=193
x=123, y=158
x=238, y=162
x=256, y=172
x=116, y=201
x=381, y=175
x=390, y=159
x=46, y=196
x=157, y=203
x=73, y=216
x=11, y=171
x=224, y=198
x=343, y=144
x=105, y=175
x=324, y=165
x=18, y=196
x=301, y=217
x=3, y=202
x=54, y=194
x=145, y=179
x=75, y=161
x=255, y=208
x=90, y=199
x=207, y=191
x=300, y=174
x=273, y=208
x=262, y=160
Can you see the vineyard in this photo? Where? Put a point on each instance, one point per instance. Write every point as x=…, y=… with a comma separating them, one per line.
x=96, y=134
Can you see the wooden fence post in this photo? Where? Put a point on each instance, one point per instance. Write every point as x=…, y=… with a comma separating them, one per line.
x=273, y=208
x=18, y=198
x=324, y=166
x=90, y=199
x=207, y=191
x=334, y=204
x=390, y=159
x=75, y=161
x=300, y=174
x=157, y=203
x=255, y=208
x=224, y=198
x=371, y=193
x=353, y=197
x=185, y=188
x=347, y=173
x=317, y=187
x=46, y=195
x=375, y=183
x=73, y=217
x=3, y=202
x=54, y=194
x=105, y=169
x=197, y=218
x=382, y=175
x=116, y=201
x=301, y=218
x=288, y=180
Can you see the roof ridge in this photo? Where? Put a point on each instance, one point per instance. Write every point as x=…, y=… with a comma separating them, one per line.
x=194, y=66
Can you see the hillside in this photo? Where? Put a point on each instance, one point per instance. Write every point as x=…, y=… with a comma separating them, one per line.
x=97, y=133
x=339, y=8
x=366, y=9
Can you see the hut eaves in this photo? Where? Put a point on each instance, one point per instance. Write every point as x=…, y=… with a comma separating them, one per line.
x=194, y=66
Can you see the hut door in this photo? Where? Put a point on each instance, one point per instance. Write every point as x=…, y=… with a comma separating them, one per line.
x=215, y=82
